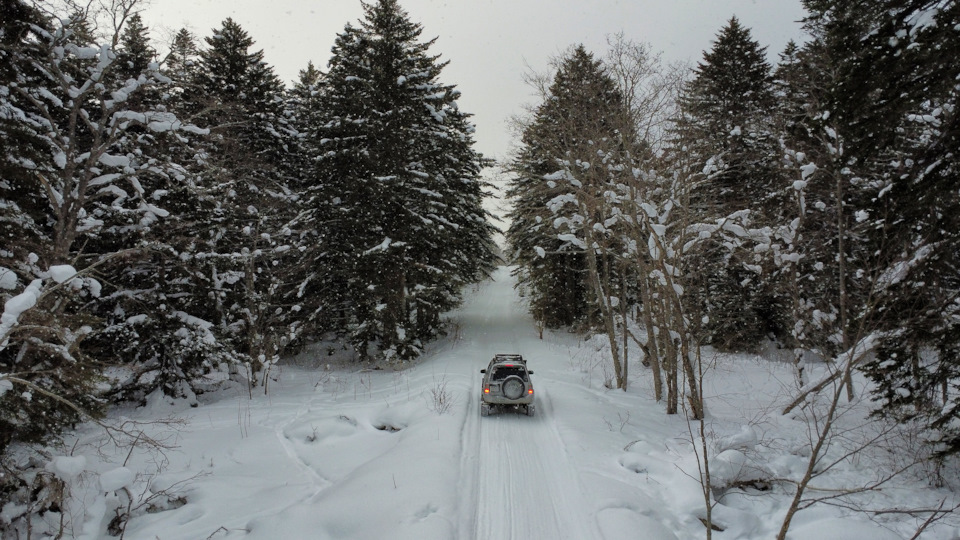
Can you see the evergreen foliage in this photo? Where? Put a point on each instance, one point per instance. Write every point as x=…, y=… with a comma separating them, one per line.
x=150, y=329
x=822, y=200
x=301, y=100
x=725, y=133
x=816, y=204
x=143, y=254
x=583, y=104
x=81, y=185
x=134, y=51
x=181, y=62
x=248, y=237
x=397, y=193
x=897, y=99
x=725, y=123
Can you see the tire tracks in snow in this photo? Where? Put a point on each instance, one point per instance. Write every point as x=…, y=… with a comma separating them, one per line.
x=469, y=464
x=318, y=482
x=526, y=486
x=516, y=478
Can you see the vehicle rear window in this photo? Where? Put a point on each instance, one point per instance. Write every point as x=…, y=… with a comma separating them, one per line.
x=503, y=372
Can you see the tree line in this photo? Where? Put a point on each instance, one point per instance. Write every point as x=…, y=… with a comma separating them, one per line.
x=812, y=204
x=168, y=223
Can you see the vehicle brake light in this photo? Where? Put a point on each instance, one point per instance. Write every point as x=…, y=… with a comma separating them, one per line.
x=486, y=390
x=530, y=391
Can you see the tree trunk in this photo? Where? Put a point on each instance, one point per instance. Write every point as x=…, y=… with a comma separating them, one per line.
x=670, y=366
x=695, y=398
x=652, y=349
x=842, y=269
x=623, y=319
x=606, y=312
x=254, y=327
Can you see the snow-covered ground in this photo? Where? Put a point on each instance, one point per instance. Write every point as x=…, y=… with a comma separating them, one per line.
x=333, y=452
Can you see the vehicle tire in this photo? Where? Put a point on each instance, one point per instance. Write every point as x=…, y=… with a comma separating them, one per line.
x=531, y=409
x=484, y=409
x=513, y=387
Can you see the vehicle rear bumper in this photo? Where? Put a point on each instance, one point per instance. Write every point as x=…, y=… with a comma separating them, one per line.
x=497, y=400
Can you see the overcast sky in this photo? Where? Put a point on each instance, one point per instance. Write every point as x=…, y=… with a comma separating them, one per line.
x=489, y=43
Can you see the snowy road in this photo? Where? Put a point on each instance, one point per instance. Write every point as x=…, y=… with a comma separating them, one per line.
x=516, y=477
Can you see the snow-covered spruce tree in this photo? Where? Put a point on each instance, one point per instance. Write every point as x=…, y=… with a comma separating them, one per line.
x=397, y=192
x=180, y=96
x=554, y=281
x=551, y=270
x=181, y=62
x=82, y=166
x=897, y=97
x=876, y=125
x=461, y=251
x=248, y=249
x=853, y=119
x=24, y=226
x=153, y=303
x=725, y=129
x=134, y=51
x=301, y=110
x=300, y=102
x=581, y=137
x=820, y=244
x=795, y=242
x=20, y=189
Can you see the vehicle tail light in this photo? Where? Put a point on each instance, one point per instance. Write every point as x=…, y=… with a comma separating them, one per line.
x=486, y=390
x=530, y=391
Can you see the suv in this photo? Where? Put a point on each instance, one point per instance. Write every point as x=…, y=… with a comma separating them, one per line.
x=506, y=383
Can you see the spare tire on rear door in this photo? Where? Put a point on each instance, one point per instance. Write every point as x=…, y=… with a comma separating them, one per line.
x=513, y=387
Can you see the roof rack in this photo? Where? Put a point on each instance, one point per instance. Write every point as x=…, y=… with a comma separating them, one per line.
x=510, y=357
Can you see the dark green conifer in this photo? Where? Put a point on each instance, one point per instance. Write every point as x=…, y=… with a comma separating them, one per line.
x=583, y=106
x=726, y=134
x=397, y=191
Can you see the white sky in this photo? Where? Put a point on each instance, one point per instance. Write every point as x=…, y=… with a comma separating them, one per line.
x=489, y=43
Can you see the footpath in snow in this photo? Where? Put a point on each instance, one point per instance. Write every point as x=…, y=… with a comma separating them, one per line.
x=335, y=452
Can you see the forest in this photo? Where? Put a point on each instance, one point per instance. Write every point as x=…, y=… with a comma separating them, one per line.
x=811, y=204
x=170, y=222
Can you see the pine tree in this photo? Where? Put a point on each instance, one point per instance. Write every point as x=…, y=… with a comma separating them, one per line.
x=554, y=273
x=897, y=94
x=725, y=120
x=871, y=111
x=88, y=184
x=461, y=241
x=181, y=63
x=134, y=52
x=144, y=310
x=301, y=101
x=24, y=207
x=244, y=169
x=180, y=95
x=397, y=186
x=726, y=130
x=584, y=132
x=25, y=218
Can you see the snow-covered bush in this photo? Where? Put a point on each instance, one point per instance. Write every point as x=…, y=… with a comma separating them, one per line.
x=169, y=351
